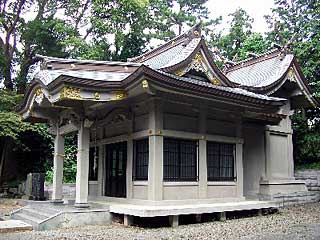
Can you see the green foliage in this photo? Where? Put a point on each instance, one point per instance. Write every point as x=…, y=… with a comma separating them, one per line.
x=240, y=40
x=70, y=161
x=301, y=19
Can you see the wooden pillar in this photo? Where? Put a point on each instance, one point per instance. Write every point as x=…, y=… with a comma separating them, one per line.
x=174, y=221
x=58, y=168
x=82, y=166
x=155, y=169
x=203, y=172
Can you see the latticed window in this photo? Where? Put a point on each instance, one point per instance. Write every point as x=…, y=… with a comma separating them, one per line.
x=93, y=163
x=220, y=161
x=141, y=159
x=179, y=160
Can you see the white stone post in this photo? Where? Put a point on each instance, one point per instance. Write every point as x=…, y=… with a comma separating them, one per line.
x=239, y=159
x=203, y=179
x=100, y=170
x=155, y=169
x=129, y=167
x=239, y=167
x=58, y=168
x=82, y=166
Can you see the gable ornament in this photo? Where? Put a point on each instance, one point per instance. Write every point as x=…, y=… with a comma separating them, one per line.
x=291, y=75
x=70, y=93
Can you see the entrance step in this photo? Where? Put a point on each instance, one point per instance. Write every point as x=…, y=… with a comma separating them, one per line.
x=14, y=226
x=47, y=216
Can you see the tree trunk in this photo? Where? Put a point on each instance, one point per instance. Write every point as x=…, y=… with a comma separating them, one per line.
x=3, y=150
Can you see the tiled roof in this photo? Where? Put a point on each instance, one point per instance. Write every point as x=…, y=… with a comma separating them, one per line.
x=69, y=60
x=163, y=58
x=184, y=53
x=222, y=88
x=47, y=76
x=260, y=72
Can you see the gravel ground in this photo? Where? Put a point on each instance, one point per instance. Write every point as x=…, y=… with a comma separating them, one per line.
x=7, y=205
x=297, y=222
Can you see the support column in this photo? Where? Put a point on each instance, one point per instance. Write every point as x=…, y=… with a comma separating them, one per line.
x=100, y=170
x=174, y=221
x=239, y=165
x=82, y=166
x=155, y=169
x=239, y=159
x=58, y=168
x=203, y=179
x=129, y=167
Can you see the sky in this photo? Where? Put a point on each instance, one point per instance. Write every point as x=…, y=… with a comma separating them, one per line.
x=255, y=8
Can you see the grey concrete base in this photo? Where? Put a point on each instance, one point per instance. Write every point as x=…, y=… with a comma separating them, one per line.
x=155, y=211
x=14, y=226
x=222, y=216
x=272, y=187
x=174, y=221
x=57, y=201
x=81, y=205
x=286, y=199
x=127, y=220
x=50, y=216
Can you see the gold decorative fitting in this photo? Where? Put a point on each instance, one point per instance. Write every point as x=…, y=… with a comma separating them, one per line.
x=291, y=75
x=70, y=93
x=196, y=33
x=97, y=96
x=179, y=73
x=119, y=95
x=159, y=132
x=215, y=81
x=150, y=131
x=197, y=63
x=39, y=92
x=145, y=84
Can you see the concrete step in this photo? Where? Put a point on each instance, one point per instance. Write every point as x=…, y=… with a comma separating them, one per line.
x=36, y=213
x=47, y=210
x=26, y=218
x=14, y=226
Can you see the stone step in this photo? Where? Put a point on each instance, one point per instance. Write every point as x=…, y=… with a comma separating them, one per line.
x=26, y=218
x=36, y=213
x=14, y=226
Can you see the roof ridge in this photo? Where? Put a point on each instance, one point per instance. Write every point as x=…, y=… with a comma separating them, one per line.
x=193, y=32
x=70, y=60
x=252, y=60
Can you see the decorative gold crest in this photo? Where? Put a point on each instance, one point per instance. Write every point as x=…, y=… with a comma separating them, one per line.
x=145, y=84
x=179, y=73
x=119, y=95
x=39, y=92
x=215, y=81
x=291, y=75
x=70, y=93
x=196, y=33
x=97, y=96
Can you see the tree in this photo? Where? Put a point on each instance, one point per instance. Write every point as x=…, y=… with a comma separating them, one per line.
x=240, y=30
x=301, y=19
x=13, y=130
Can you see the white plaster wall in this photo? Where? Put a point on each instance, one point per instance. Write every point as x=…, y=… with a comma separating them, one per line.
x=219, y=127
x=279, y=149
x=180, y=192
x=140, y=192
x=93, y=189
x=180, y=122
x=222, y=191
x=253, y=159
x=141, y=122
